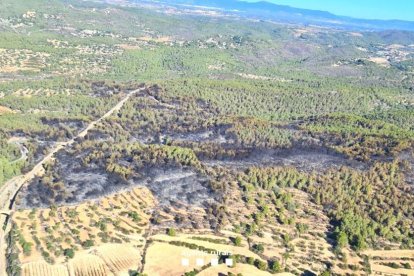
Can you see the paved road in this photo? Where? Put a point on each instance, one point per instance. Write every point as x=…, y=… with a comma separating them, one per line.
x=10, y=189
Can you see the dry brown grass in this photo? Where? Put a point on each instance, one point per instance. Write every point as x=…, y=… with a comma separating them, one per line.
x=165, y=259
x=378, y=259
x=311, y=249
x=28, y=92
x=378, y=269
x=59, y=227
x=119, y=257
x=241, y=250
x=5, y=110
x=160, y=39
x=129, y=47
x=88, y=265
x=239, y=268
x=381, y=61
x=44, y=269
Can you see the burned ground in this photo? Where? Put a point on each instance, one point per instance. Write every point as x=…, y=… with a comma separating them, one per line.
x=70, y=181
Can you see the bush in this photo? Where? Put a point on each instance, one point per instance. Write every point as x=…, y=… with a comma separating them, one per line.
x=238, y=241
x=258, y=248
x=135, y=273
x=88, y=243
x=27, y=248
x=275, y=266
x=134, y=216
x=407, y=265
x=261, y=265
x=171, y=232
x=250, y=260
x=69, y=252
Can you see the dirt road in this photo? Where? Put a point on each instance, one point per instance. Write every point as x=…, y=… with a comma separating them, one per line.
x=10, y=189
x=23, y=150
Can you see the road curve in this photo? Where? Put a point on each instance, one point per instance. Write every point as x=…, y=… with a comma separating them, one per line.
x=12, y=187
x=23, y=150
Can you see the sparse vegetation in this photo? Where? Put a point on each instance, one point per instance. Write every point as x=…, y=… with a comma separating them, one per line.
x=292, y=144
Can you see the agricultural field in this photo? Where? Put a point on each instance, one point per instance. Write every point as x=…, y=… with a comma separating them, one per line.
x=136, y=134
x=104, y=235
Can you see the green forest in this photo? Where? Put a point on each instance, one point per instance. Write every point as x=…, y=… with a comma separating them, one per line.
x=261, y=112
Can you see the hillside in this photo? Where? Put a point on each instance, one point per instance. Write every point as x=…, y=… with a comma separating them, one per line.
x=132, y=133
x=285, y=14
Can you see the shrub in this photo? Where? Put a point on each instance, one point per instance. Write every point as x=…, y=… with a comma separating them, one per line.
x=171, y=232
x=275, y=266
x=238, y=241
x=69, y=252
x=261, y=265
x=258, y=248
x=88, y=243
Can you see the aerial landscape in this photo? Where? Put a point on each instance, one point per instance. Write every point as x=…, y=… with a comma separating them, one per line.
x=204, y=137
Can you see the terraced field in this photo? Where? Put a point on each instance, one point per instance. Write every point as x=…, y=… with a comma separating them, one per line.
x=102, y=225
x=12, y=60
x=136, y=134
x=43, y=268
x=391, y=261
x=88, y=265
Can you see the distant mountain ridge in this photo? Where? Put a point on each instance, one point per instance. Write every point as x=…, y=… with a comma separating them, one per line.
x=286, y=14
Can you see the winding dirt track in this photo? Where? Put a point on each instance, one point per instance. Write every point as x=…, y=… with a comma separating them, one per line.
x=9, y=190
x=23, y=150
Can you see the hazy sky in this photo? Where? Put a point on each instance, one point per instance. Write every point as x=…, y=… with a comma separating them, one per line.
x=372, y=9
